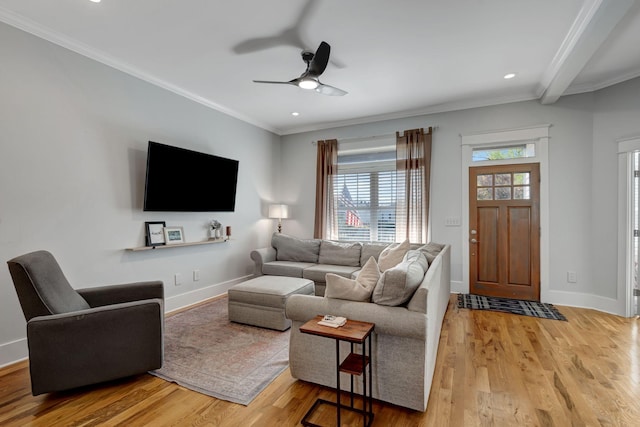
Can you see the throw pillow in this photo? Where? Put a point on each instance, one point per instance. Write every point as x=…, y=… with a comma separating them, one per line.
x=431, y=250
x=398, y=284
x=392, y=255
x=359, y=289
x=293, y=249
x=371, y=250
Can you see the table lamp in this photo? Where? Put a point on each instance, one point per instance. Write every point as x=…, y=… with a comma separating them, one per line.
x=279, y=212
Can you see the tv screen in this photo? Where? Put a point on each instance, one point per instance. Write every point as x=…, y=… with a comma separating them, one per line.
x=181, y=180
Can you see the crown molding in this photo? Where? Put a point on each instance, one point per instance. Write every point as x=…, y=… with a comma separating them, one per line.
x=434, y=109
x=593, y=87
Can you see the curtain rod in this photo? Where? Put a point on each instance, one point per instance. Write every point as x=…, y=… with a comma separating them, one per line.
x=364, y=138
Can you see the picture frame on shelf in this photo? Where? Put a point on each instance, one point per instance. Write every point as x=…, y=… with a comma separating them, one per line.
x=173, y=235
x=155, y=233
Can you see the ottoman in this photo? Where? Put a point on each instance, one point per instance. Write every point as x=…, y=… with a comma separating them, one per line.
x=260, y=301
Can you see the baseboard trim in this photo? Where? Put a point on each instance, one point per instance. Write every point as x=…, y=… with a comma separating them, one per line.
x=181, y=301
x=581, y=300
x=458, y=288
x=13, y=352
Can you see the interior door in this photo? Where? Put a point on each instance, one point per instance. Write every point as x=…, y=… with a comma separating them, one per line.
x=504, y=231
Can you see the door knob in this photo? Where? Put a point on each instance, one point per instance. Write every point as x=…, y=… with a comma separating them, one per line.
x=473, y=232
x=473, y=241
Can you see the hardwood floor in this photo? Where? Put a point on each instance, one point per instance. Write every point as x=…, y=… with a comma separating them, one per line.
x=493, y=369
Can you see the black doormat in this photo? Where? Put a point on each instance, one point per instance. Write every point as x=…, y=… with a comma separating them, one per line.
x=515, y=306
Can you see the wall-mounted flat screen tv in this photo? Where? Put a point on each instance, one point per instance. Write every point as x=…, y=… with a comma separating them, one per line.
x=181, y=180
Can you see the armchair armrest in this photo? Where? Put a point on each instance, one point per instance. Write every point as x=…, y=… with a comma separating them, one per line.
x=261, y=256
x=94, y=345
x=115, y=294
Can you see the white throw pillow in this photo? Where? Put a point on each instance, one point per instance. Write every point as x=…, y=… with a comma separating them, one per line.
x=393, y=255
x=359, y=289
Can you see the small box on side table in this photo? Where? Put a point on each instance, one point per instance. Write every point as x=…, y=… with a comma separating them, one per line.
x=354, y=332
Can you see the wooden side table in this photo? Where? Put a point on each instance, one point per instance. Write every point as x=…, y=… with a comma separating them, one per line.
x=354, y=332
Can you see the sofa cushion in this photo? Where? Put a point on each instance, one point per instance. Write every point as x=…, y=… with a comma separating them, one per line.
x=290, y=248
x=340, y=253
x=431, y=250
x=392, y=255
x=359, y=289
x=397, y=285
x=285, y=268
x=318, y=272
x=371, y=250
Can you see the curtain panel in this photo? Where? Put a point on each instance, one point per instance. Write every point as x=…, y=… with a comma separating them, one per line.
x=326, y=226
x=413, y=170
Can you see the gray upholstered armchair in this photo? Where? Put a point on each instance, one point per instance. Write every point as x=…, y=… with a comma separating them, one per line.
x=85, y=336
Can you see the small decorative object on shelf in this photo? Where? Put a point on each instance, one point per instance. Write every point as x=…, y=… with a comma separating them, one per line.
x=154, y=233
x=215, y=229
x=173, y=235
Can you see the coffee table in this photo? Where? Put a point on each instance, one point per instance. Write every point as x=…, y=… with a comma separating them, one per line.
x=354, y=332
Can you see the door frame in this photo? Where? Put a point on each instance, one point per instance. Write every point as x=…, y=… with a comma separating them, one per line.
x=625, y=300
x=538, y=135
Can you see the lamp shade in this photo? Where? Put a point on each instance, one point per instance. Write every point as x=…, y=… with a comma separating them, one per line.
x=278, y=211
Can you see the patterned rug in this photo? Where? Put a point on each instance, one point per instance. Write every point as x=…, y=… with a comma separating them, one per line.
x=515, y=306
x=206, y=353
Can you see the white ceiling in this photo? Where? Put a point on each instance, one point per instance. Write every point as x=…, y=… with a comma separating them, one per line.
x=395, y=58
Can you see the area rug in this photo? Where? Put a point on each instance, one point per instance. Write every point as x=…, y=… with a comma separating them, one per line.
x=206, y=353
x=515, y=306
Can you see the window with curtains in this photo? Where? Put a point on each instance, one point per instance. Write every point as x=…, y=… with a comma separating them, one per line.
x=378, y=192
x=365, y=193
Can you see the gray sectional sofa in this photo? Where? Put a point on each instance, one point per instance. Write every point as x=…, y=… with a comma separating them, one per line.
x=313, y=258
x=407, y=330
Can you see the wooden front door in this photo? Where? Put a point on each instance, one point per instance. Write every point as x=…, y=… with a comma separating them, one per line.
x=504, y=231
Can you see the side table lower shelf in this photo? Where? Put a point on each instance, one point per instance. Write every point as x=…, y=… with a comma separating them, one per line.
x=354, y=332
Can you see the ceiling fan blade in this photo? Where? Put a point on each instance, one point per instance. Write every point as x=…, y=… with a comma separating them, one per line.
x=292, y=82
x=257, y=44
x=330, y=90
x=320, y=60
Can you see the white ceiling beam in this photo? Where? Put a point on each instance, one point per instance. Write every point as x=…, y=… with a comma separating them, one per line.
x=594, y=24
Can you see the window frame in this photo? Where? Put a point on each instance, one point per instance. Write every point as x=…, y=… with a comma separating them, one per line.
x=373, y=168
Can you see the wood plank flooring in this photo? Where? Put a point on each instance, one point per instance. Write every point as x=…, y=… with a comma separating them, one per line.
x=493, y=369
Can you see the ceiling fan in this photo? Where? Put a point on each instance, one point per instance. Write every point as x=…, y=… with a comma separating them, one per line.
x=316, y=64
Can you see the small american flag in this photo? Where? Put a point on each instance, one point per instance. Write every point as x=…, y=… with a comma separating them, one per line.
x=352, y=218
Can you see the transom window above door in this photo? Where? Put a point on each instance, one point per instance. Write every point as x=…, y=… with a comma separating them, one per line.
x=506, y=152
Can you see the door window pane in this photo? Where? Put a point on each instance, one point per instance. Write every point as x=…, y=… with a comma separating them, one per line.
x=503, y=193
x=485, y=180
x=503, y=179
x=521, y=178
x=485, y=193
x=521, y=193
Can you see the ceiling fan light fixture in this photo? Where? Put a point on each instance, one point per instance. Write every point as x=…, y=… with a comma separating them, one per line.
x=308, y=83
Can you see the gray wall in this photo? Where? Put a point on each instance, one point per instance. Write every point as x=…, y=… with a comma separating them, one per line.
x=73, y=141
x=583, y=180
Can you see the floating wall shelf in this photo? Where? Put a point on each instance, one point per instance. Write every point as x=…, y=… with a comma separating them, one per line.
x=179, y=245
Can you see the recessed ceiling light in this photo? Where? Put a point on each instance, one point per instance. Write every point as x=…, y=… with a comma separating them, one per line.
x=96, y=1
x=509, y=76
x=295, y=114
